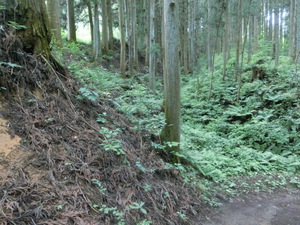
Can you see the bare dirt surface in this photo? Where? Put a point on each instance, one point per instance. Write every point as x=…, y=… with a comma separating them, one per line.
x=281, y=207
x=7, y=141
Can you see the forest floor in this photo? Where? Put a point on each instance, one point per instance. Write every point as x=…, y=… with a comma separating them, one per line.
x=278, y=207
x=67, y=158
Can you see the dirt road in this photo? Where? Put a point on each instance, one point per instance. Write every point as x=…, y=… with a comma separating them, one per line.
x=279, y=208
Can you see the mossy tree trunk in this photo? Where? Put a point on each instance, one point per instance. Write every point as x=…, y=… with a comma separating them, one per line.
x=36, y=36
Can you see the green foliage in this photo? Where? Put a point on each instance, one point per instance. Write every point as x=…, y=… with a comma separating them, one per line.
x=87, y=94
x=144, y=222
x=111, y=210
x=137, y=206
x=182, y=216
x=16, y=26
x=111, y=143
x=100, y=186
x=223, y=138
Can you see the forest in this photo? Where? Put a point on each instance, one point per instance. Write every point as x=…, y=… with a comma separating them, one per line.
x=149, y=112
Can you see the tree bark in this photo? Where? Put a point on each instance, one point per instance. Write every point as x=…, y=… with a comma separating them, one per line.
x=171, y=131
x=292, y=31
x=96, y=32
x=54, y=13
x=36, y=36
x=276, y=34
x=71, y=21
x=123, y=40
x=104, y=27
x=88, y=4
x=152, y=50
x=209, y=36
x=110, y=26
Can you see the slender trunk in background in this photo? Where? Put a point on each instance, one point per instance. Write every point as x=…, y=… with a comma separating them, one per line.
x=297, y=29
x=71, y=21
x=104, y=28
x=134, y=34
x=225, y=40
x=191, y=33
x=96, y=32
x=152, y=50
x=215, y=47
x=266, y=24
x=54, y=13
x=146, y=5
x=88, y=4
x=292, y=30
x=256, y=33
x=110, y=25
x=209, y=37
x=123, y=39
x=251, y=31
x=281, y=35
x=238, y=40
x=184, y=46
x=242, y=59
x=171, y=132
x=276, y=33
x=271, y=29
x=130, y=35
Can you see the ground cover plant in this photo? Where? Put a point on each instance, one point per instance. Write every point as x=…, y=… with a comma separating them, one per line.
x=221, y=139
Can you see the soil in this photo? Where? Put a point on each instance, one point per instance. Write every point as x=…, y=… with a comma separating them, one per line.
x=67, y=172
x=7, y=141
x=276, y=208
x=281, y=207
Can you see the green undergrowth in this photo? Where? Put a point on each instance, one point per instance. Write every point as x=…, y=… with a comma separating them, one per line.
x=258, y=134
x=231, y=146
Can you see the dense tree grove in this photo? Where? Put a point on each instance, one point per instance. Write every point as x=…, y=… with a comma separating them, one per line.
x=206, y=28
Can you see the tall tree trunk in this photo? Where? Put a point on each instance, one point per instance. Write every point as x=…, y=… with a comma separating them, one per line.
x=134, y=34
x=152, y=51
x=123, y=40
x=270, y=21
x=209, y=36
x=171, y=131
x=96, y=39
x=104, y=27
x=54, y=13
x=292, y=31
x=297, y=31
x=130, y=34
x=226, y=39
x=281, y=24
x=147, y=19
x=266, y=22
x=191, y=24
x=239, y=40
x=256, y=33
x=71, y=21
x=110, y=25
x=250, y=43
x=276, y=34
x=88, y=4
